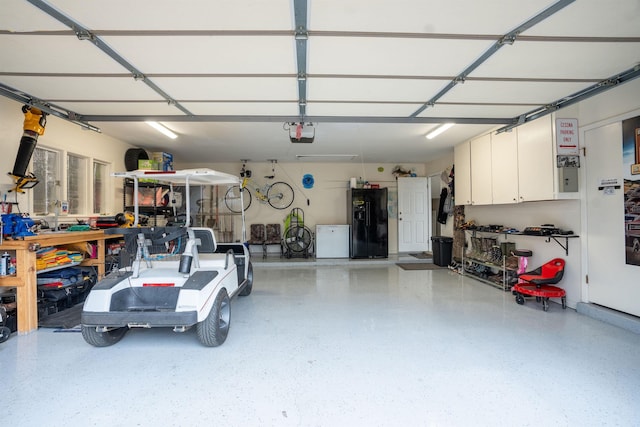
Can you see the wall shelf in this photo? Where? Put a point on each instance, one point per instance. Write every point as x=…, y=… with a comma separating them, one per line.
x=58, y=267
x=555, y=237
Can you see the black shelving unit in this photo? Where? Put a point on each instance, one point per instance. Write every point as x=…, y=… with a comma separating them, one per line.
x=152, y=210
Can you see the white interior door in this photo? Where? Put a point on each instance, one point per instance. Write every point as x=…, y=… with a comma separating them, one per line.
x=611, y=282
x=414, y=214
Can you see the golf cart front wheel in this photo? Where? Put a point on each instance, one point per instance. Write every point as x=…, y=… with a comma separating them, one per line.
x=213, y=330
x=102, y=339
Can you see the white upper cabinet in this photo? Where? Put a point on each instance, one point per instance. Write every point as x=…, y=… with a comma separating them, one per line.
x=481, y=188
x=504, y=167
x=513, y=167
x=462, y=173
x=535, y=160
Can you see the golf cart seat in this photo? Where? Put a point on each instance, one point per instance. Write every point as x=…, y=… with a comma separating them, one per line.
x=207, y=255
x=207, y=240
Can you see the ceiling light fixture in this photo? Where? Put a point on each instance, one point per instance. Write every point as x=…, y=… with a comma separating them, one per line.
x=437, y=131
x=326, y=157
x=162, y=129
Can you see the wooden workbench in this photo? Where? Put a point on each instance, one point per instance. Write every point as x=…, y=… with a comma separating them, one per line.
x=25, y=280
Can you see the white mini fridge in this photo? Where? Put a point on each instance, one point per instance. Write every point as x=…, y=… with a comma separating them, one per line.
x=332, y=241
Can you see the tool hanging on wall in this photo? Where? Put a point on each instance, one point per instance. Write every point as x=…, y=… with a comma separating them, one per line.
x=35, y=121
x=273, y=169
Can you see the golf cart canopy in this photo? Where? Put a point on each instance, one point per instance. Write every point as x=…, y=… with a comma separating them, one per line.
x=183, y=177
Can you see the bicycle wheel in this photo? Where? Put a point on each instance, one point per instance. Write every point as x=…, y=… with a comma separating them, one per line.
x=280, y=195
x=232, y=199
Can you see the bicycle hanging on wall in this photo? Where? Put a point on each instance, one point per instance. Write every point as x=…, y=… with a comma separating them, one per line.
x=278, y=195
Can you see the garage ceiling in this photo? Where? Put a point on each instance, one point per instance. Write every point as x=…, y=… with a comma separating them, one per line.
x=373, y=76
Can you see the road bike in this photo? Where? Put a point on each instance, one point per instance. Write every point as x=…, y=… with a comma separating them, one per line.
x=278, y=195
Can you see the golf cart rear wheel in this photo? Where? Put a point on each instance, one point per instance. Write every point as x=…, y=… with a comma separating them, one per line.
x=249, y=286
x=213, y=330
x=102, y=339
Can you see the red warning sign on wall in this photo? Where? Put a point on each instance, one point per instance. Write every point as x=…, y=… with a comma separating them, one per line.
x=567, y=137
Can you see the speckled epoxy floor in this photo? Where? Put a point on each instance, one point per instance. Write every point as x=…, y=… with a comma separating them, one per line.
x=340, y=345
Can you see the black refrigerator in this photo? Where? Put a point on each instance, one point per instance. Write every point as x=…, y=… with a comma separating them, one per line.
x=367, y=215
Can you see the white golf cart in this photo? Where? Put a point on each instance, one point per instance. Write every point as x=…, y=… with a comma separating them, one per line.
x=180, y=276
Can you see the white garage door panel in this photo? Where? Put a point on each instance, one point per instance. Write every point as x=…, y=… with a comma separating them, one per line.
x=612, y=283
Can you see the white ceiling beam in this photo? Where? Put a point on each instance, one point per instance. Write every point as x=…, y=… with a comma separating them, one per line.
x=284, y=119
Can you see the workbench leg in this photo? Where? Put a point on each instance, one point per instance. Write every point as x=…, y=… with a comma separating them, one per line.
x=26, y=292
x=101, y=257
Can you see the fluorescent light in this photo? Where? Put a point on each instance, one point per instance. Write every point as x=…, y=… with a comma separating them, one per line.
x=162, y=129
x=437, y=131
x=326, y=157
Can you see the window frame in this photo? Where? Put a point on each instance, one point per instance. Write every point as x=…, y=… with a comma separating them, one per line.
x=99, y=210
x=42, y=181
x=83, y=191
x=88, y=199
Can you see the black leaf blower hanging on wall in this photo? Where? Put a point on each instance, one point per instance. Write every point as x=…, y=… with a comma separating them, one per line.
x=35, y=121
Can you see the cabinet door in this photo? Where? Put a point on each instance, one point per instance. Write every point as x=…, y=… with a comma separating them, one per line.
x=462, y=167
x=481, y=193
x=504, y=167
x=535, y=160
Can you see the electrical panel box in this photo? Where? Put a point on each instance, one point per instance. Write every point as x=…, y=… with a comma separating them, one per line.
x=568, y=180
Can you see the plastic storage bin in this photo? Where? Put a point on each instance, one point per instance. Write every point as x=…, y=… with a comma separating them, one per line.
x=442, y=248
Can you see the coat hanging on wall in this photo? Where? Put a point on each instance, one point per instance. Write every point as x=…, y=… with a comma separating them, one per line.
x=442, y=213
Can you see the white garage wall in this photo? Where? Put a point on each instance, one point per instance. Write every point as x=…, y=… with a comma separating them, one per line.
x=59, y=135
x=326, y=202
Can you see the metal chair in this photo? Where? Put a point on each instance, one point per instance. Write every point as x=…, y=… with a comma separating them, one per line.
x=257, y=235
x=273, y=238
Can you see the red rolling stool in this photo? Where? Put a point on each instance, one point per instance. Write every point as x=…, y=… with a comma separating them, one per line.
x=539, y=283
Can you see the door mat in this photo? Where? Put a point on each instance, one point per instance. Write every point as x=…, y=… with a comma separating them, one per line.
x=65, y=319
x=419, y=266
x=422, y=255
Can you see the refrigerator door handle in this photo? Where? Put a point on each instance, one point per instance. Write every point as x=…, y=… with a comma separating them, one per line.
x=368, y=213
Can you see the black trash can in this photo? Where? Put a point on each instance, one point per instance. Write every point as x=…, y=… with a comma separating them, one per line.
x=442, y=248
